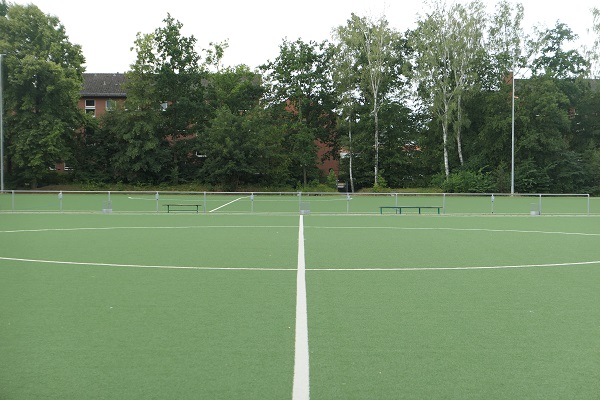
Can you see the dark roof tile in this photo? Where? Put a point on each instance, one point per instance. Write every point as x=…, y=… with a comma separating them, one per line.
x=103, y=85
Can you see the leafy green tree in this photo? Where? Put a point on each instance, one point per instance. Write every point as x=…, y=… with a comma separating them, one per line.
x=504, y=46
x=448, y=47
x=165, y=103
x=242, y=149
x=139, y=154
x=298, y=85
x=402, y=162
x=542, y=122
x=232, y=96
x=238, y=88
x=345, y=84
x=372, y=65
x=44, y=76
x=592, y=52
x=550, y=57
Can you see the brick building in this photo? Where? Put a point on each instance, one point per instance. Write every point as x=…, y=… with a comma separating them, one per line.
x=101, y=92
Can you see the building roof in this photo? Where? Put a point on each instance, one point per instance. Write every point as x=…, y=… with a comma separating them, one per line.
x=103, y=85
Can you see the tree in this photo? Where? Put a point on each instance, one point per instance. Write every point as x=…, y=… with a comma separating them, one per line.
x=468, y=35
x=592, y=53
x=447, y=43
x=504, y=45
x=373, y=60
x=550, y=57
x=345, y=85
x=242, y=149
x=139, y=153
x=298, y=84
x=237, y=88
x=44, y=73
x=165, y=100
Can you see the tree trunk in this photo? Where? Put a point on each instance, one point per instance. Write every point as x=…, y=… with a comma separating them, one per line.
x=445, y=137
x=446, y=162
x=304, y=175
x=458, y=131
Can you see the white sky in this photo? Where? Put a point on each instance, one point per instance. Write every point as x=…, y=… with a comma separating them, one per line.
x=107, y=29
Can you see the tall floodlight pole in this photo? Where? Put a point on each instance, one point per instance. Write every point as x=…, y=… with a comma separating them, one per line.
x=1, y=130
x=512, y=153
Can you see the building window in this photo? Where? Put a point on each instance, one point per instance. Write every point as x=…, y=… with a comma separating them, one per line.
x=90, y=107
x=111, y=105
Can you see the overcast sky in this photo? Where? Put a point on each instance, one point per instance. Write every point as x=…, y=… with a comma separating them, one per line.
x=107, y=29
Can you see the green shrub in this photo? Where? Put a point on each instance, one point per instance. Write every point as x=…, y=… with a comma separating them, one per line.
x=468, y=182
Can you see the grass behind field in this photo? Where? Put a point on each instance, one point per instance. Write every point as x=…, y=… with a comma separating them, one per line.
x=72, y=331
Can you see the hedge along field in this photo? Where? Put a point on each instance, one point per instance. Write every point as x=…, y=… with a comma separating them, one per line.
x=202, y=306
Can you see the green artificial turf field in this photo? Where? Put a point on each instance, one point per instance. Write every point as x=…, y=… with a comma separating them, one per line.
x=192, y=306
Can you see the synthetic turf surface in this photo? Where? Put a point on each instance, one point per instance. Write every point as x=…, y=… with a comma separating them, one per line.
x=383, y=320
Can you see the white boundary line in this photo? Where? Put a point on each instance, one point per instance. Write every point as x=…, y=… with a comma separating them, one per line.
x=572, y=264
x=146, y=227
x=301, y=389
x=375, y=269
x=226, y=204
x=293, y=226
x=93, y=264
x=402, y=228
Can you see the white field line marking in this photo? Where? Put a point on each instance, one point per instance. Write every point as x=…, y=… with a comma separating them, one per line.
x=308, y=199
x=289, y=226
x=457, y=229
x=301, y=390
x=459, y=268
x=163, y=199
x=306, y=269
x=226, y=204
x=145, y=227
x=93, y=264
x=142, y=198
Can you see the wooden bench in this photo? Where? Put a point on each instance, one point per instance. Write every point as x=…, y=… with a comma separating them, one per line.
x=398, y=209
x=183, y=207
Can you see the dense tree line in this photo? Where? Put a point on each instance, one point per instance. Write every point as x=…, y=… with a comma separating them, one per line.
x=431, y=106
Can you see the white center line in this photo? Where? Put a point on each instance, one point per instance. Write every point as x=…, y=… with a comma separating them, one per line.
x=301, y=389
